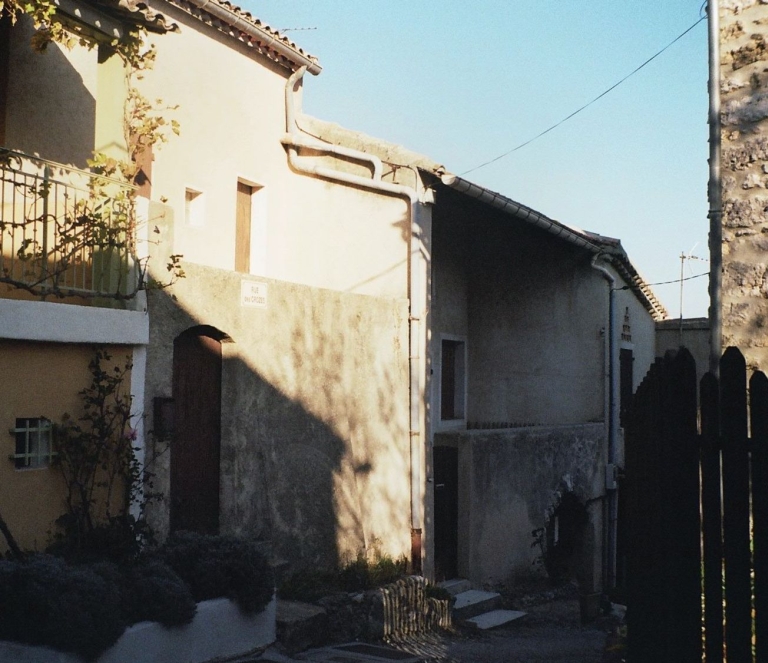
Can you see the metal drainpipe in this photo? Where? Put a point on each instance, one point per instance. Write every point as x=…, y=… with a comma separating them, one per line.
x=417, y=297
x=613, y=421
x=715, y=196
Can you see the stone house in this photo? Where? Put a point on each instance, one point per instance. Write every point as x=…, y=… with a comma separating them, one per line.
x=368, y=354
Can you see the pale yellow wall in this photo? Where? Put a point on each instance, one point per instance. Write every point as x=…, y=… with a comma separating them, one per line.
x=51, y=108
x=38, y=379
x=232, y=116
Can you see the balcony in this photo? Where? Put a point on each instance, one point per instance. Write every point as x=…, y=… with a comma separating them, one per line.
x=65, y=234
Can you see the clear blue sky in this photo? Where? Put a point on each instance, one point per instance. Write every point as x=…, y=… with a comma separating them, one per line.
x=463, y=82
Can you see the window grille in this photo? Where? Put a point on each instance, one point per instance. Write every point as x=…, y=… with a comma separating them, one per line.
x=33, y=443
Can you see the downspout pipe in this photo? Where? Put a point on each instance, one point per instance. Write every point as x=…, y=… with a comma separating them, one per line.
x=715, y=195
x=417, y=296
x=613, y=421
x=295, y=138
x=239, y=23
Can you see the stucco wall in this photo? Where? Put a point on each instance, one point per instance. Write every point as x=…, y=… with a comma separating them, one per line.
x=744, y=28
x=231, y=110
x=532, y=309
x=509, y=483
x=56, y=117
x=695, y=337
x=315, y=445
x=40, y=380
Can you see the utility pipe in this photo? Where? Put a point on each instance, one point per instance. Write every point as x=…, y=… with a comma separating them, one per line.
x=269, y=40
x=613, y=421
x=715, y=196
x=417, y=296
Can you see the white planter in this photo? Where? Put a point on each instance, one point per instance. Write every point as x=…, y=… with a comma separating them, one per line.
x=219, y=629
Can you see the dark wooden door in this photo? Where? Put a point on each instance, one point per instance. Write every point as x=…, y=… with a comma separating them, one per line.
x=446, y=464
x=197, y=432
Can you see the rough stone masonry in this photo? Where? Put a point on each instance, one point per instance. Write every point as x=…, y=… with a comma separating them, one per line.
x=744, y=98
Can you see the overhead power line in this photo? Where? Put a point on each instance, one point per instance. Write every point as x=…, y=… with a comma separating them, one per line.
x=687, y=278
x=587, y=105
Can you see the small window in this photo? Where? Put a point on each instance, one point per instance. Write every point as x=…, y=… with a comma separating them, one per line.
x=453, y=380
x=33, y=443
x=194, y=208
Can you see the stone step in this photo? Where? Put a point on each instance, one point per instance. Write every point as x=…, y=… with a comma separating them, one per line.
x=300, y=625
x=473, y=602
x=455, y=586
x=494, y=618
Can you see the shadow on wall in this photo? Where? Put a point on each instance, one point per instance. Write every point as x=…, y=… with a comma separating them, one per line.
x=56, y=117
x=314, y=437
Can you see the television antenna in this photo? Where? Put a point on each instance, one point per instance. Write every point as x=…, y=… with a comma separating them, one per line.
x=683, y=257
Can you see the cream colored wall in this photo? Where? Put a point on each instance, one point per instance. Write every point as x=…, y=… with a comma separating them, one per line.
x=232, y=115
x=39, y=379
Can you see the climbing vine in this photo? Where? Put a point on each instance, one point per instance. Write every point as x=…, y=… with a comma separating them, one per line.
x=95, y=233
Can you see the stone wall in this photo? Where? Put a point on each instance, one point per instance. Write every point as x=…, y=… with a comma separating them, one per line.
x=744, y=98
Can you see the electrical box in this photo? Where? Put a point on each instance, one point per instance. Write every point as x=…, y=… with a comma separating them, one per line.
x=611, y=476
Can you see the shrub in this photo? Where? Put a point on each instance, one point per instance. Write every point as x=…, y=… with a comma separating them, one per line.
x=46, y=602
x=152, y=591
x=216, y=566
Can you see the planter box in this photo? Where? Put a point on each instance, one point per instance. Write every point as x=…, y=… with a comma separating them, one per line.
x=219, y=629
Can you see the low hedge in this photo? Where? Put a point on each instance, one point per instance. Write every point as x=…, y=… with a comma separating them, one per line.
x=220, y=566
x=85, y=608
x=44, y=601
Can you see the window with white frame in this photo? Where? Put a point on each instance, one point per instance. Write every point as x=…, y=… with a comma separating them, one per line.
x=453, y=379
x=34, y=447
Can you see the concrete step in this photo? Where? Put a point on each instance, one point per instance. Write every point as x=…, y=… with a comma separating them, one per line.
x=455, y=586
x=473, y=602
x=494, y=618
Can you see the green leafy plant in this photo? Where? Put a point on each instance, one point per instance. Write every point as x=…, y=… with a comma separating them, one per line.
x=103, y=478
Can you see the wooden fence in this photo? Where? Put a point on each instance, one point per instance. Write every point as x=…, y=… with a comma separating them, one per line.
x=697, y=515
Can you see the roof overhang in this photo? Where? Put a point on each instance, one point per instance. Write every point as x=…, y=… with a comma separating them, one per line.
x=610, y=248
x=241, y=25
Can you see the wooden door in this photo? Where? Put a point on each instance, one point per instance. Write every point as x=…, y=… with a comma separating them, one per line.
x=446, y=464
x=197, y=432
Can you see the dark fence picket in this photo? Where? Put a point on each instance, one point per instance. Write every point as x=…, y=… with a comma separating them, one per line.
x=643, y=623
x=681, y=513
x=758, y=391
x=711, y=517
x=733, y=408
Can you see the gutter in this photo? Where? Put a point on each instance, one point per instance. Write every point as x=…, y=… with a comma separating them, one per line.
x=267, y=39
x=715, y=195
x=417, y=295
x=612, y=418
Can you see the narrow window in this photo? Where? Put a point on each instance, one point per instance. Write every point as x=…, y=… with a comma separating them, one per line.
x=243, y=228
x=33, y=443
x=626, y=360
x=452, y=380
x=194, y=208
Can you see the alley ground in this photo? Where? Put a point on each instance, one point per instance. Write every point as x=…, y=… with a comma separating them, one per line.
x=551, y=632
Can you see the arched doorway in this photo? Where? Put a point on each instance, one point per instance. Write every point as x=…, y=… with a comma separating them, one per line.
x=197, y=430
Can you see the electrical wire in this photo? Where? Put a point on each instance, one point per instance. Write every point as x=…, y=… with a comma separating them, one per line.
x=687, y=278
x=587, y=105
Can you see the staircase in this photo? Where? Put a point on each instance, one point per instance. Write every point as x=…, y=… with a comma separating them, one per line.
x=478, y=608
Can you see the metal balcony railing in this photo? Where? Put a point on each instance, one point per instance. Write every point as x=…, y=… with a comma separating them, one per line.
x=65, y=232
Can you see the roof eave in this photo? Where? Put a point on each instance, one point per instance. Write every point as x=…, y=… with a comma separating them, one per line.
x=587, y=241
